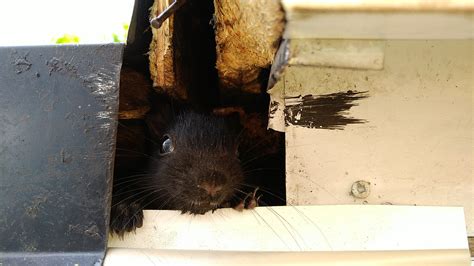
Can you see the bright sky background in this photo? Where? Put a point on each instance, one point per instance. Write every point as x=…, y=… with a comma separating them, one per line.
x=34, y=22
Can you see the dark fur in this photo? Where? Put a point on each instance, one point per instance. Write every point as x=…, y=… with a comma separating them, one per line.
x=205, y=153
x=204, y=156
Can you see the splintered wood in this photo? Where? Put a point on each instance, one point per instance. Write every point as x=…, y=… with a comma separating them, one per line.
x=247, y=37
x=161, y=54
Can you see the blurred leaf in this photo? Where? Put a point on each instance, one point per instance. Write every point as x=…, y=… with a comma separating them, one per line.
x=125, y=33
x=123, y=36
x=67, y=38
x=116, y=37
x=120, y=36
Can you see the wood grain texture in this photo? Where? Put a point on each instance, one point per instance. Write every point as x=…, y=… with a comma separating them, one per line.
x=161, y=54
x=247, y=37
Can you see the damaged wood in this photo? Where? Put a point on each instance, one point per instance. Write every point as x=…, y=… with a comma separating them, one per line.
x=134, y=93
x=161, y=56
x=182, y=53
x=247, y=37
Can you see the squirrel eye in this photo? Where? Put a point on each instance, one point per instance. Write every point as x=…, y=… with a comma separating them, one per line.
x=166, y=145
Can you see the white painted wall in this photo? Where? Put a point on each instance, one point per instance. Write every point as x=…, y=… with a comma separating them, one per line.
x=417, y=147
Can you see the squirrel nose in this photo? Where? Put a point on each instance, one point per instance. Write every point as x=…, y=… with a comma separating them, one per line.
x=211, y=189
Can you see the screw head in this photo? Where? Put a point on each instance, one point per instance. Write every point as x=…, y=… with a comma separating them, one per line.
x=360, y=189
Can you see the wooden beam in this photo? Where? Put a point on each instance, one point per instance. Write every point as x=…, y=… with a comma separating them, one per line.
x=247, y=37
x=161, y=56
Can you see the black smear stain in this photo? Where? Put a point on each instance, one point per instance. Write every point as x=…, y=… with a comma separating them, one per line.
x=273, y=109
x=326, y=111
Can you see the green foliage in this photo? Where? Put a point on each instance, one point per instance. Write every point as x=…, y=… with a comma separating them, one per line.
x=125, y=30
x=121, y=37
x=125, y=27
x=67, y=38
x=116, y=37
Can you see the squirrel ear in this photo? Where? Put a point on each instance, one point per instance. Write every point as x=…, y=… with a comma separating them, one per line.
x=234, y=116
x=156, y=124
x=163, y=111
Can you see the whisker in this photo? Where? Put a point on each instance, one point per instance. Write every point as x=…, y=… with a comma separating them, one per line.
x=248, y=161
x=144, y=137
x=134, y=195
x=271, y=228
x=137, y=152
x=263, y=219
x=144, y=174
x=125, y=191
x=130, y=182
x=142, y=208
x=284, y=222
x=256, y=145
x=296, y=209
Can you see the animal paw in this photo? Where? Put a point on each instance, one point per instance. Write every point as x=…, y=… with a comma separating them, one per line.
x=249, y=202
x=126, y=217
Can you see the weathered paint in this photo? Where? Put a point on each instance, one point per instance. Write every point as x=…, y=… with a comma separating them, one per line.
x=326, y=111
x=417, y=146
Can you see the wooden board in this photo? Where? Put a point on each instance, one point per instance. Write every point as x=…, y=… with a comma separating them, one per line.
x=303, y=228
x=348, y=235
x=162, y=65
x=247, y=37
x=153, y=257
